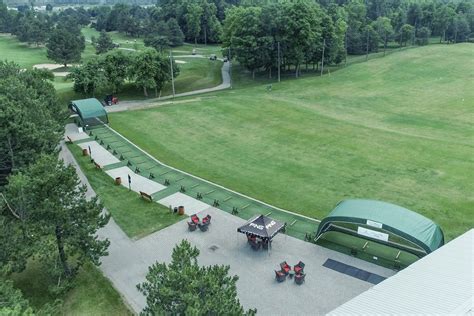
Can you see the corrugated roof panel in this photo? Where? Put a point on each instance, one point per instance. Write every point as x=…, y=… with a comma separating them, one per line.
x=440, y=283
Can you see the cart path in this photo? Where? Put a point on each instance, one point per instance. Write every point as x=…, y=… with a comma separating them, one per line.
x=140, y=104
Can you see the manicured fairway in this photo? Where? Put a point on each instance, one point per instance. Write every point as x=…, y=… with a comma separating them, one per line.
x=12, y=50
x=398, y=129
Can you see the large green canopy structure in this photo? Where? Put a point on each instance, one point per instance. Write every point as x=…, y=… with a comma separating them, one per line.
x=384, y=223
x=90, y=111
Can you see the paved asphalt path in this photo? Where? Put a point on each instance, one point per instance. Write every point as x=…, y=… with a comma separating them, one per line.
x=139, y=104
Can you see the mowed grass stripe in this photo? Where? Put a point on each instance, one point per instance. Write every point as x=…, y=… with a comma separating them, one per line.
x=398, y=129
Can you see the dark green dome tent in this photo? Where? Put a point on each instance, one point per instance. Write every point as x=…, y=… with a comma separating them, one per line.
x=90, y=111
x=384, y=223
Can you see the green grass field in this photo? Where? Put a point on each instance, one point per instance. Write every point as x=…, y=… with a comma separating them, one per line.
x=398, y=129
x=29, y=55
x=92, y=294
x=26, y=56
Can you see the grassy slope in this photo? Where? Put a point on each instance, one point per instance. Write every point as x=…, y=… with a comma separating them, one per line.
x=92, y=295
x=11, y=49
x=136, y=217
x=397, y=129
x=27, y=56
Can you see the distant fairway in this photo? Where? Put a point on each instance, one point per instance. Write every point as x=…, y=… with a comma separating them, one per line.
x=398, y=129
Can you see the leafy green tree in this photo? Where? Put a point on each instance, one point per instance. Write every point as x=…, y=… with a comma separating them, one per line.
x=185, y=288
x=115, y=65
x=384, y=29
x=65, y=47
x=210, y=25
x=6, y=19
x=143, y=69
x=414, y=14
x=39, y=30
x=104, y=43
x=160, y=43
x=406, y=34
x=193, y=21
x=49, y=7
x=442, y=19
x=56, y=213
x=244, y=36
x=423, y=36
x=88, y=77
x=356, y=35
x=301, y=25
x=458, y=30
x=12, y=301
x=31, y=118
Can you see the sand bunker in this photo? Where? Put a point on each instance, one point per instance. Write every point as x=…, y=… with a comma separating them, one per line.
x=48, y=66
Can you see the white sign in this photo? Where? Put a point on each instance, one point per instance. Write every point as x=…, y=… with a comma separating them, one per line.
x=374, y=224
x=372, y=233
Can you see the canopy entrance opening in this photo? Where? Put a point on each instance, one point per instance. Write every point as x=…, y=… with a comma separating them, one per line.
x=367, y=225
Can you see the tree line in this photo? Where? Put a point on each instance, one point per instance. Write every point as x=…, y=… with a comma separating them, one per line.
x=268, y=34
x=148, y=69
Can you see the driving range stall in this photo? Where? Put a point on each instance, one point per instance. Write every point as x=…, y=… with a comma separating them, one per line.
x=379, y=232
x=90, y=112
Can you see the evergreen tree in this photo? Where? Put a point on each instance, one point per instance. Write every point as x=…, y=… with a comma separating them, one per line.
x=104, y=43
x=176, y=36
x=55, y=213
x=185, y=288
x=32, y=118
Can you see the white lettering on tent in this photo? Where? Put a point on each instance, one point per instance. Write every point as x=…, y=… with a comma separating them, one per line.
x=256, y=226
x=374, y=224
x=272, y=223
x=372, y=233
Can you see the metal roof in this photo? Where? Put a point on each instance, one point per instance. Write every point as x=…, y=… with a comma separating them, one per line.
x=396, y=219
x=440, y=283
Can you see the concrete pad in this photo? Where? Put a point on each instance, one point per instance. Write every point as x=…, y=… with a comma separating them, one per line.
x=72, y=131
x=323, y=290
x=100, y=155
x=139, y=183
x=191, y=205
